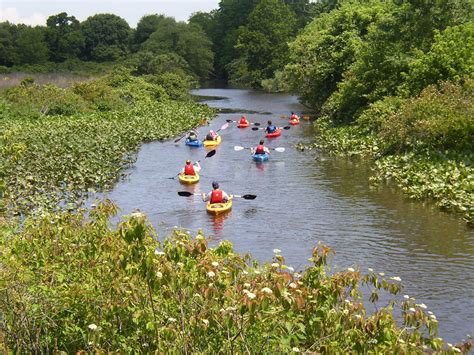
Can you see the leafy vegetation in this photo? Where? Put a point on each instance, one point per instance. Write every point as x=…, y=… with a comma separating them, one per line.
x=69, y=282
x=58, y=144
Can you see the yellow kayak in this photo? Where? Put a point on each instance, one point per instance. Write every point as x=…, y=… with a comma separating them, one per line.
x=188, y=179
x=212, y=143
x=216, y=208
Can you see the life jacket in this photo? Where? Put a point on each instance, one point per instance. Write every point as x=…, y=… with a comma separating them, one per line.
x=243, y=120
x=189, y=169
x=216, y=196
x=271, y=129
x=260, y=149
x=294, y=117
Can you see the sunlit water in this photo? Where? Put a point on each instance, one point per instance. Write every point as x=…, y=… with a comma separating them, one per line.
x=302, y=200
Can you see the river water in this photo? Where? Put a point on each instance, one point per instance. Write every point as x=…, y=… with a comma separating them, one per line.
x=304, y=198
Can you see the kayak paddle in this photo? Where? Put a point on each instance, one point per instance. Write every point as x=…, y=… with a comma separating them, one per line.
x=245, y=197
x=255, y=123
x=208, y=155
x=257, y=128
x=224, y=126
x=238, y=148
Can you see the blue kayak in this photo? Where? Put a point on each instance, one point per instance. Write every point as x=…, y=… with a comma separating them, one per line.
x=196, y=143
x=260, y=157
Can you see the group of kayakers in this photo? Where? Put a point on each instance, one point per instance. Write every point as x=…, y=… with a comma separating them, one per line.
x=217, y=195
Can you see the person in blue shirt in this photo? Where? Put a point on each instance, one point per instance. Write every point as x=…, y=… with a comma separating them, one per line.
x=271, y=128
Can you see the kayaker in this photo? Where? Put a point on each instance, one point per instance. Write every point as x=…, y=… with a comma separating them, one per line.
x=260, y=149
x=191, y=169
x=243, y=120
x=216, y=195
x=294, y=116
x=192, y=136
x=271, y=128
x=211, y=136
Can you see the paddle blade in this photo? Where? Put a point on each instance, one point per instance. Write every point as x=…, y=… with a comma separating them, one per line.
x=177, y=140
x=256, y=124
x=287, y=127
x=238, y=147
x=229, y=121
x=280, y=149
x=249, y=197
x=185, y=193
x=283, y=116
x=224, y=126
x=211, y=153
x=255, y=128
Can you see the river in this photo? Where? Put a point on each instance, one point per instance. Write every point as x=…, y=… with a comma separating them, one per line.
x=304, y=198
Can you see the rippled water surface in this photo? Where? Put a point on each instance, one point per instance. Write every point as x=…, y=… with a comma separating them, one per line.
x=302, y=200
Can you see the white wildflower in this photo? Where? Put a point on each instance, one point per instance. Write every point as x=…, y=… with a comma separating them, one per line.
x=291, y=269
x=422, y=305
x=297, y=275
x=295, y=349
x=246, y=285
x=245, y=272
x=396, y=278
x=358, y=316
x=251, y=295
x=429, y=312
x=382, y=274
x=159, y=252
x=215, y=264
x=172, y=320
x=370, y=269
x=450, y=345
x=92, y=327
x=267, y=290
x=411, y=309
x=406, y=296
x=159, y=274
x=199, y=237
x=205, y=321
x=456, y=349
x=257, y=272
x=345, y=312
x=277, y=251
x=179, y=264
x=350, y=269
x=137, y=214
x=275, y=265
x=211, y=274
x=293, y=285
x=432, y=316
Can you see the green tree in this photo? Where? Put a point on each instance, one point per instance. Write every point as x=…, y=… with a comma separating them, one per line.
x=326, y=48
x=8, y=52
x=146, y=26
x=389, y=47
x=187, y=40
x=64, y=37
x=451, y=57
x=106, y=37
x=30, y=45
x=263, y=42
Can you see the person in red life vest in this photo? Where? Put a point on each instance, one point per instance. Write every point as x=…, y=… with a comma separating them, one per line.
x=294, y=116
x=243, y=120
x=190, y=169
x=212, y=136
x=260, y=149
x=216, y=195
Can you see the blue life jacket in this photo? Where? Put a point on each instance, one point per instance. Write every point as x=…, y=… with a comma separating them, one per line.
x=271, y=129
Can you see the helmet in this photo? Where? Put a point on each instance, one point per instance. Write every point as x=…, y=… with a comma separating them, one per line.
x=215, y=185
x=211, y=131
x=188, y=161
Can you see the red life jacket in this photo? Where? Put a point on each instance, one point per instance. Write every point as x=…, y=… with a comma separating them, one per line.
x=260, y=149
x=216, y=196
x=243, y=121
x=189, y=169
x=294, y=117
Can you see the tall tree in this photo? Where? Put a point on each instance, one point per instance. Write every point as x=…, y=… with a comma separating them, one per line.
x=31, y=46
x=8, y=52
x=64, y=37
x=106, y=37
x=263, y=42
x=146, y=26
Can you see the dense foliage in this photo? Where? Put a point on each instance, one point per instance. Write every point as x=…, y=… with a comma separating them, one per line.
x=70, y=282
x=56, y=144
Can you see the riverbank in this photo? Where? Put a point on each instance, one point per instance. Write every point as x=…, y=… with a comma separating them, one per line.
x=442, y=177
x=59, y=144
x=105, y=289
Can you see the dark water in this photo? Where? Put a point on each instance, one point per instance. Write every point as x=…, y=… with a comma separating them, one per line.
x=302, y=200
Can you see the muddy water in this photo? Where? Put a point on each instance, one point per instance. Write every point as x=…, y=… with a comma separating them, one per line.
x=302, y=200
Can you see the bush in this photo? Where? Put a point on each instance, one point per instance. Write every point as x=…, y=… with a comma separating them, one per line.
x=440, y=118
x=79, y=285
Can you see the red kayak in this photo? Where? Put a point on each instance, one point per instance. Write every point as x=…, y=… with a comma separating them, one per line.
x=275, y=134
x=294, y=122
x=243, y=125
